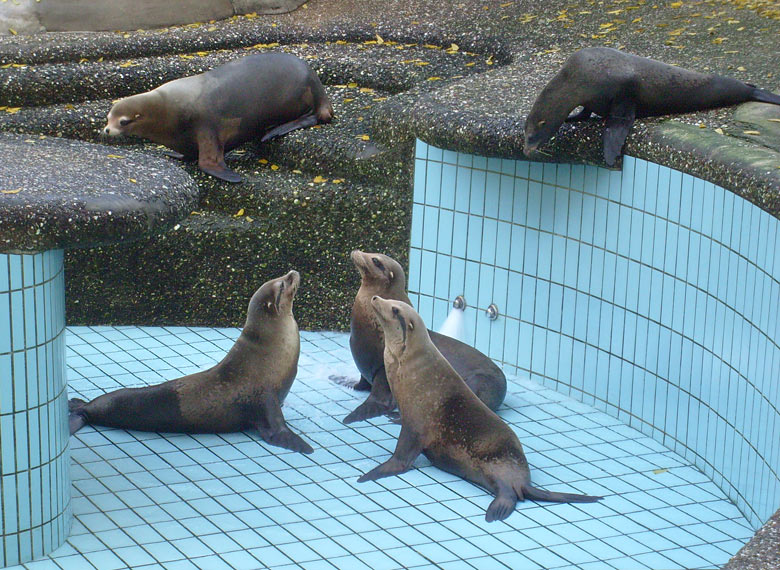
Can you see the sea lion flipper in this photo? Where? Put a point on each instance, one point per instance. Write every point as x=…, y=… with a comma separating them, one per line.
x=379, y=402
x=307, y=120
x=76, y=419
x=583, y=115
x=361, y=385
x=406, y=451
x=274, y=429
x=619, y=121
x=174, y=154
x=503, y=505
x=211, y=157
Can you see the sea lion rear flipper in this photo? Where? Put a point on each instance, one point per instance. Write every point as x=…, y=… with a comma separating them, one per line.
x=406, y=451
x=379, y=402
x=621, y=116
x=76, y=419
x=274, y=430
x=307, y=120
x=211, y=157
x=174, y=154
x=536, y=494
x=503, y=505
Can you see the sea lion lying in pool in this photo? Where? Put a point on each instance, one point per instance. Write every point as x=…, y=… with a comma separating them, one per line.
x=244, y=391
x=204, y=116
x=443, y=419
x=382, y=275
x=622, y=87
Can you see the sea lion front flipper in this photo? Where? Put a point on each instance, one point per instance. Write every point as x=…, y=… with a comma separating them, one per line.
x=581, y=116
x=379, y=402
x=621, y=116
x=361, y=385
x=307, y=120
x=406, y=451
x=274, y=430
x=211, y=157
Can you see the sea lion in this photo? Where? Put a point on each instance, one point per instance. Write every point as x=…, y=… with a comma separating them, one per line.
x=204, y=116
x=382, y=275
x=245, y=390
x=621, y=87
x=443, y=419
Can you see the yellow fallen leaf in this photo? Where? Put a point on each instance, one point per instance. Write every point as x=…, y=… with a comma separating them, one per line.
x=659, y=471
x=201, y=53
x=363, y=137
x=434, y=78
x=274, y=167
x=453, y=48
x=133, y=180
x=296, y=171
x=490, y=60
x=349, y=100
x=13, y=32
x=751, y=132
x=719, y=131
x=12, y=110
x=239, y=213
x=379, y=40
x=114, y=156
x=366, y=90
x=248, y=219
x=263, y=161
x=676, y=4
x=422, y=63
x=351, y=85
x=11, y=191
x=319, y=179
x=338, y=180
x=774, y=120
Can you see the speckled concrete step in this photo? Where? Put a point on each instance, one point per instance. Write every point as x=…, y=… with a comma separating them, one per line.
x=205, y=269
x=393, y=68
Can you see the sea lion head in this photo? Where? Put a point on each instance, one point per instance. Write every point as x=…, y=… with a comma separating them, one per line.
x=400, y=323
x=539, y=127
x=274, y=298
x=381, y=272
x=128, y=116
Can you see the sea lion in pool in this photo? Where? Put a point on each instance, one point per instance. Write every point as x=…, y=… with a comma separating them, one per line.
x=204, y=116
x=622, y=87
x=443, y=419
x=244, y=391
x=382, y=275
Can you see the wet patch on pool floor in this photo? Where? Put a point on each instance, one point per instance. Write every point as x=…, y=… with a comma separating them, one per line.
x=142, y=500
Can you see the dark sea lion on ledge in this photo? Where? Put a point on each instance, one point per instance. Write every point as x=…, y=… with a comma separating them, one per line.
x=244, y=391
x=622, y=87
x=204, y=116
x=382, y=275
x=443, y=419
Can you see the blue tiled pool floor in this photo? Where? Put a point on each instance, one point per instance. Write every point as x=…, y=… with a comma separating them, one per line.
x=145, y=500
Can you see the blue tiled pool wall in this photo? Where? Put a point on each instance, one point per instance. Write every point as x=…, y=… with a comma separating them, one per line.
x=647, y=293
x=34, y=458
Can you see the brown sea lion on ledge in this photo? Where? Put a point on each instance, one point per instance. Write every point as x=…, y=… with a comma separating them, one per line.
x=622, y=87
x=204, y=116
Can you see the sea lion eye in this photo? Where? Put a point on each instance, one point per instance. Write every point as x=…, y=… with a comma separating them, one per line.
x=395, y=310
x=411, y=326
x=392, y=275
x=540, y=123
x=125, y=122
x=378, y=263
